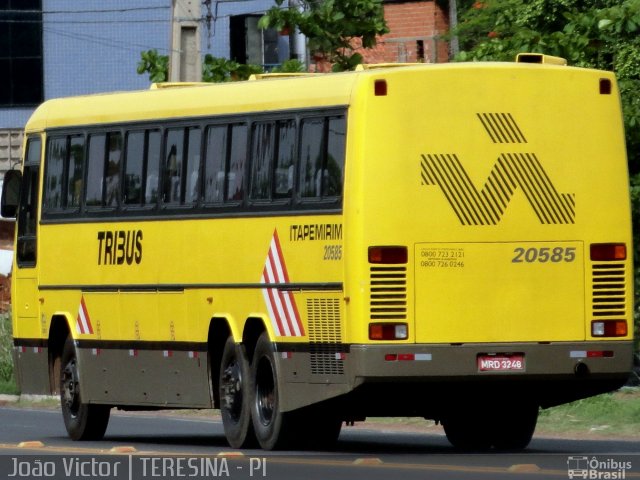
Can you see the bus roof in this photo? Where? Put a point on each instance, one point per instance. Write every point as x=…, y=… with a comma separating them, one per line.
x=193, y=100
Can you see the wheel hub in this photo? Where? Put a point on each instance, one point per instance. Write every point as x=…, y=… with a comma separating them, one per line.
x=70, y=390
x=231, y=383
x=265, y=392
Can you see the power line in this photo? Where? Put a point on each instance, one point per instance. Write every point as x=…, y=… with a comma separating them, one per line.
x=107, y=42
x=106, y=10
x=79, y=22
x=115, y=10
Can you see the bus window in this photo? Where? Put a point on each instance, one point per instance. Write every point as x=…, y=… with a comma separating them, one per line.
x=133, y=168
x=237, y=158
x=26, y=245
x=154, y=144
x=285, y=161
x=172, y=174
x=262, y=148
x=113, y=169
x=74, y=171
x=215, y=161
x=56, y=154
x=311, y=157
x=335, y=157
x=95, y=170
x=322, y=150
x=193, y=165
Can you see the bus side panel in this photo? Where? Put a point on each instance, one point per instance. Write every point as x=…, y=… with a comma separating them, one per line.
x=31, y=369
x=169, y=378
x=145, y=325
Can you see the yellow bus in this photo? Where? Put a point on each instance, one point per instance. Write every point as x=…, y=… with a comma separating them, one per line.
x=444, y=241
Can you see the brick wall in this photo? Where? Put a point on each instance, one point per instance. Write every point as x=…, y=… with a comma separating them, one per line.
x=415, y=28
x=415, y=31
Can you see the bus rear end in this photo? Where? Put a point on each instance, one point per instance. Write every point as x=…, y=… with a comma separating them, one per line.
x=493, y=207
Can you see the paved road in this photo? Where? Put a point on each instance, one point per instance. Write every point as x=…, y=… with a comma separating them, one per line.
x=177, y=447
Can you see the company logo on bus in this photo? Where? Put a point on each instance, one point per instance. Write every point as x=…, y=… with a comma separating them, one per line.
x=118, y=247
x=510, y=173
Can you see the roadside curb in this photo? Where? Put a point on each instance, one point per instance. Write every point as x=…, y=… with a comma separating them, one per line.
x=9, y=398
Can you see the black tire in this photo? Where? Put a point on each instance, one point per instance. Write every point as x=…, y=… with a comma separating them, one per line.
x=513, y=429
x=502, y=429
x=467, y=432
x=83, y=421
x=321, y=426
x=235, y=396
x=274, y=429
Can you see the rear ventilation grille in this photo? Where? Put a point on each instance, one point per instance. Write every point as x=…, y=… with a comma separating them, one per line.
x=609, y=293
x=325, y=336
x=388, y=299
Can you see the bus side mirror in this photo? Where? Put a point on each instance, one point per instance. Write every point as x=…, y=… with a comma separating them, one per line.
x=10, y=193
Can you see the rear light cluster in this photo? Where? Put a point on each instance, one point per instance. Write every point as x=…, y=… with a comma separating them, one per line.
x=607, y=252
x=388, y=331
x=609, y=328
x=388, y=255
x=608, y=290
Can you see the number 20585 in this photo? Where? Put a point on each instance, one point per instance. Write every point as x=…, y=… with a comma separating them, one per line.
x=544, y=255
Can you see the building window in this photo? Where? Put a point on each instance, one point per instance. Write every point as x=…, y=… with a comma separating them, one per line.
x=21, y=81
x=250, y=44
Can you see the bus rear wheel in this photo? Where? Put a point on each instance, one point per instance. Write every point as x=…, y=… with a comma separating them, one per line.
x=83, y=421
x=513, y=429
x=235, y=409
x=274, y=429
x=502, y=429
x=467, y=432
x=315, y=426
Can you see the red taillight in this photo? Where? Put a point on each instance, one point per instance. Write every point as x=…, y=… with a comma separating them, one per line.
x=609, y=328
x=380, y=88
x=600, y=354
x=604, y=252
x=388, y=331
x=388, y=254
x=605, y=86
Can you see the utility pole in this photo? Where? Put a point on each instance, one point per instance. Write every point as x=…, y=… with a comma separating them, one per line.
x=185, y=64
x=297, y=41
x=454, y=46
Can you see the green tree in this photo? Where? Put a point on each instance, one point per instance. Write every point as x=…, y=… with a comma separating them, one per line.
x=332, y=27
x=156, y=65
x=214, y=69
x=602, y=34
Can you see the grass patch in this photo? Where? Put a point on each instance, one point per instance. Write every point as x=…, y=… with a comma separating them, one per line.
x=8, y=387
x=7, y=380
x=610, y=414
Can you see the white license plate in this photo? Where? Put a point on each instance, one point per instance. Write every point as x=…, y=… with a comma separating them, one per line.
x=501, y=363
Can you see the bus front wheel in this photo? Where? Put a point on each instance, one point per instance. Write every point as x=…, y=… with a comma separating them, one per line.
x=83, y=421
x=235, y=409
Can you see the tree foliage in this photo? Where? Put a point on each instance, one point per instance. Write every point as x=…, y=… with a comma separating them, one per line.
x=156, y=65
x=214, y=69
x=331, y=26
x=603, y=34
